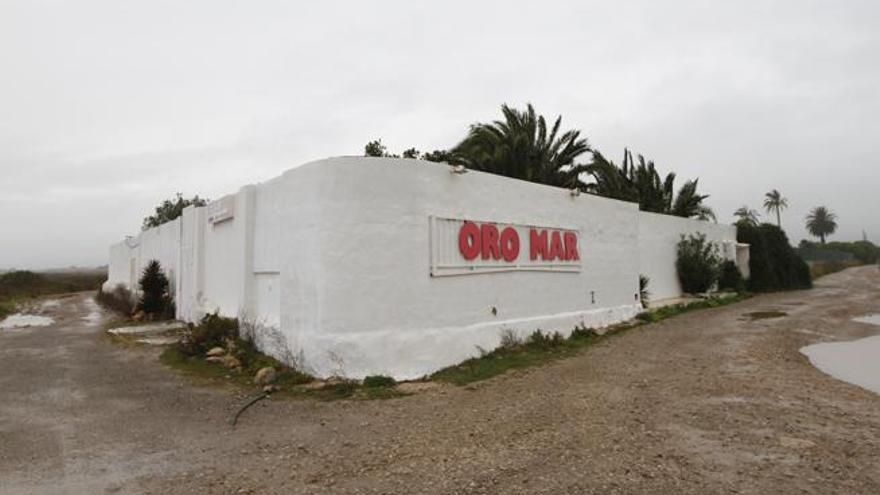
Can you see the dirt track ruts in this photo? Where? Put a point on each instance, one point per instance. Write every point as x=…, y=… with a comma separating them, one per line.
x=708, y=402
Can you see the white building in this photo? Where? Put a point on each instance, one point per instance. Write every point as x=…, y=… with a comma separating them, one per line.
x=390, y=266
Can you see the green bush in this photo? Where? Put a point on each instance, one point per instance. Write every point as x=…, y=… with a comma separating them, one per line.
x=773, y=263
x=731, y=278
x=644, y=293
x=697, y=263
x=155, y=299
x=379, y=381
x=212, y=331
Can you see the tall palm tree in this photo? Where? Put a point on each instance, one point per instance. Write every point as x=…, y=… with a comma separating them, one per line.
x=641, y=183
x=773, y=201
x=746, y=216
x=821, y=222
x=522, y=146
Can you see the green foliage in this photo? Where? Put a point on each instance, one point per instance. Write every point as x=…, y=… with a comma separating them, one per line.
x=212, y=331
x=731, y=278
x=443, y=156
x=642, y=184
x=773, y=263
x=119, y=300
x=521, y=146
x=170, y=209
x=375, y=148
x=746, y=216
x=697, y=263
x=155, y=299
x=773, y=201
x=378, y=381
x=864, y=251
x=821, y=223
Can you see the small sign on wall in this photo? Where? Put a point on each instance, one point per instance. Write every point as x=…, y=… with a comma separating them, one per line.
x=465, y=247
x=221, y=210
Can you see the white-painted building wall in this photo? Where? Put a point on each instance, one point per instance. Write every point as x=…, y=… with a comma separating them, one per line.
x=333, y=260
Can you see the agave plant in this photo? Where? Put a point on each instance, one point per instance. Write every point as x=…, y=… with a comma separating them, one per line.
x=522, y=146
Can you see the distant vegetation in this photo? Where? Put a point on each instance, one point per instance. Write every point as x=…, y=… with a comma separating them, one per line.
x=20, y=285
x=523, y=146
x=171, y=209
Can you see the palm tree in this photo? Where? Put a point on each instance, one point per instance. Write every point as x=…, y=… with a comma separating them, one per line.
x=746, y=216
x=773, y=201
x=520, y=146
x=641, y=183
x=821, y=222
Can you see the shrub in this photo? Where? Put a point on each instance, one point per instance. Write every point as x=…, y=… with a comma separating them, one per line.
x=697, y=263
x=731, y=278
x=540, y=339
x=510, y=339
x=582, y=332
x=773, y=263
x=155, y=298
x=212, y=331
x=379, y=381
x=119, y=300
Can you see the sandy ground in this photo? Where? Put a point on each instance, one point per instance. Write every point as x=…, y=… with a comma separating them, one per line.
x=709, y=402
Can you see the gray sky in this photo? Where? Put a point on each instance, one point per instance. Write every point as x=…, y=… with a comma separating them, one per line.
x=108, y=107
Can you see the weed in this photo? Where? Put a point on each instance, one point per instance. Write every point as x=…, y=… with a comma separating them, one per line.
x=379, y=381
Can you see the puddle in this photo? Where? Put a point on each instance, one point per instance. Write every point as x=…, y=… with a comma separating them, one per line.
x=872, y=319
x=19, y=320
x=764, y=315
x=49, y=304
x=856, y=362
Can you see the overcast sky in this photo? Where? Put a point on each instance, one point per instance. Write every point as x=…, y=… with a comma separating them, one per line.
x=108, y=107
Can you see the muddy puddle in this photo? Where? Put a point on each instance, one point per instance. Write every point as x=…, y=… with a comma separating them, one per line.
x=856, y=362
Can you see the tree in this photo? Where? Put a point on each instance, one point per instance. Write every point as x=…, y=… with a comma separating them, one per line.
x=521, y=146
x=821, y=223
x=155, y=300
x=746, y=216
x=170, y=209
x=375, y=148
x=773, y=201
x=641, y=183
x=412, y=153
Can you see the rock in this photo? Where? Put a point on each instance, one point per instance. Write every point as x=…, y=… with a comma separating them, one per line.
x=315, y=385
x=138, y=316
x=231, y=362
x=271, y=388
x=216, y=351
x=215, y=359
x=265, y=376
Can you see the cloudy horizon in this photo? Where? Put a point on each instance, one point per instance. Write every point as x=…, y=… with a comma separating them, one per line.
x=112, y=107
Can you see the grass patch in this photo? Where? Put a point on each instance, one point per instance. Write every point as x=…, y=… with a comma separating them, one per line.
x=539, y=348
x=7, y=307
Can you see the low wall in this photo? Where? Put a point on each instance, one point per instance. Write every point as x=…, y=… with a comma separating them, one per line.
x=361, y=266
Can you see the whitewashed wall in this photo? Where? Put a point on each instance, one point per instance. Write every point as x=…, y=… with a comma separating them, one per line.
x=658, y=241
x=333, y=261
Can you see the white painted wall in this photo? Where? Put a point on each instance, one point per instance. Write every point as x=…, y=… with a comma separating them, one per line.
x=658, y=241
x=333, y=257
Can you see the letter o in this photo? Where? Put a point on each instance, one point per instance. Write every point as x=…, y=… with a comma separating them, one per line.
x=469, y=240
x=509, y=244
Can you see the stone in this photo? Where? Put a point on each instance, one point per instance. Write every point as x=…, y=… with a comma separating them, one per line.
x=138, y=316
x=271, y=388
x=231, y=362
x=265, y=376
x=216, y=351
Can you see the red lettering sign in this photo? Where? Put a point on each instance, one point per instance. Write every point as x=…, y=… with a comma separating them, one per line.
x=484, y=240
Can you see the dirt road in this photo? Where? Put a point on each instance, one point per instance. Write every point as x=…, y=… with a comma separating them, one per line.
x=710, y=402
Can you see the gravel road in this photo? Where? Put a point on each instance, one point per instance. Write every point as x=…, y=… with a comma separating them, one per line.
x=713, y=401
